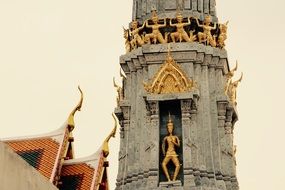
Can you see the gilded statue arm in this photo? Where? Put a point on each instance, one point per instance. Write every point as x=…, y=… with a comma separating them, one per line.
x=188, y=23
x=200, y=25
x=163, y=146
x=215, y=26
x=177, y=143
x=163, y=25
x=140, y=28
x=146, y=24
x=171, y=24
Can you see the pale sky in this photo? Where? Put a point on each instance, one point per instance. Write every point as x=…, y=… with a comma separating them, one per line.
x=49, y=47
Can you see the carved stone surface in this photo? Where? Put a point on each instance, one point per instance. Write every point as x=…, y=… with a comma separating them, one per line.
x=167, y=8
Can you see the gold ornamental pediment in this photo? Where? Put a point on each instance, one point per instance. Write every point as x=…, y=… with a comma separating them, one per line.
x=169, y=79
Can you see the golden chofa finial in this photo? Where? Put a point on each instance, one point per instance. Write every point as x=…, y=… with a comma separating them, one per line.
x=105, y=147
x=70, y=121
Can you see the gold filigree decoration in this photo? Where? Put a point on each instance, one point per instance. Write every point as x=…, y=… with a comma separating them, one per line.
x=169, y=79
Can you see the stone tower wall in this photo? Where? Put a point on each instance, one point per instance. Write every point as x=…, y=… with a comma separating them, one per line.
x=208, y=117
x=167, y=8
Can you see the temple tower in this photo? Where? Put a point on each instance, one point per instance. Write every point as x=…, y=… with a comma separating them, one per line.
x=177, y=103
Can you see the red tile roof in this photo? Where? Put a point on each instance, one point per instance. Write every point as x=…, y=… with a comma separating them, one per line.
x=86, y=172
x=43, y=152
x=50, y=150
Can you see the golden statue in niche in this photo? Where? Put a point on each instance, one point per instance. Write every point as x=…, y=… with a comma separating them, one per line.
x=180, y=33
x=223, y=34
x=206, y=35
x=170, y=155
x=136, y=38
x=156, y=34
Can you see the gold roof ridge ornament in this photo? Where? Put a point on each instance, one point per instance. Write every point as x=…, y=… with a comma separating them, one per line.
x=105, y=146
x=70, y=121
x=170, y=79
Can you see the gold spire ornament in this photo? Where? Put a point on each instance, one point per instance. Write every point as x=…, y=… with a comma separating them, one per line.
x=105, y=146
x=170, y=79
x=172, y=141
x=70, y=121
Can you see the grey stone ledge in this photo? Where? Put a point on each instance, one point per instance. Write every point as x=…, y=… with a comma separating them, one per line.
x=176, y=96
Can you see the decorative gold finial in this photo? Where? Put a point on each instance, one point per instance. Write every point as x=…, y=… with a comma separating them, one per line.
x=105, y=147
x=122, y=74
x=127, y=40
x=169, y=118
x=168, y=50
x=223, y=34
x=119, y=90
x=169, y=57
x=232, y=89
x=70, y=121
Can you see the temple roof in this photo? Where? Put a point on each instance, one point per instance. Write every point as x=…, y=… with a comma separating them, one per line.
x=85, y=172
x=43, y=152
x=52, y=155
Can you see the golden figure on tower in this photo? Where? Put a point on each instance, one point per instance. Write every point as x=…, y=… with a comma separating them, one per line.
x=206, y=35
x=127, y=40
x=119, y=90
x=232, y=90
x=156, y=34
x=170, y=155
x=180, y=33
x=229, y=76
x=223, y=34
x=136, y=38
